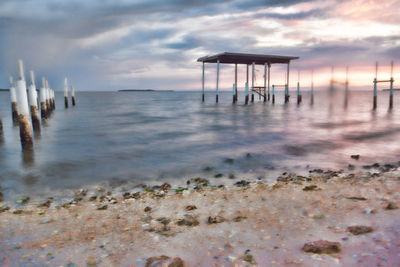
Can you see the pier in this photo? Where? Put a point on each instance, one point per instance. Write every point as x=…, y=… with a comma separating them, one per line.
x=253, y=60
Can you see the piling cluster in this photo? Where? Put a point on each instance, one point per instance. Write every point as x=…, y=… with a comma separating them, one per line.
x=376, y=81
x=25, y=107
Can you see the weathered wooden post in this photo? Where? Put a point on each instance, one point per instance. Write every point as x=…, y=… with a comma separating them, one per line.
x=273, y=94
x=346, y=88
x=13, y=98
x=246, y=100
x=375, y=86
x=202, y=84
x=234, y=96
x=33, y=103
x=312, y=87
x=287, y=85
x=73, y=95
x=66, y=90
x=216, y=96
x=269, y=75
x=391, y=87
x=236, y=88
x=42, y=94
x=23, y=110
x=299, y=96
x=265, y=82
x=252, y=81
x=47, y=91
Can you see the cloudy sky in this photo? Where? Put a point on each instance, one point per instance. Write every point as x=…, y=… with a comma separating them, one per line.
x=117, y=44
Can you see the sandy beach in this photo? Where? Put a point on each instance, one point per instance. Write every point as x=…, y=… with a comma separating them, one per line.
x=205, y=225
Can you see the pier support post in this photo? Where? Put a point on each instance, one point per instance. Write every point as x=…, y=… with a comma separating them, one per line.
x=66, y=89
x=23, y=110
x=265, y=82
x=236, y=88
x=73, y=95
x=391, y=87
x=233, y=94
x=33, y=103
x=252, y=81
x=246, y=101
x=42, y=94
x=216, y=95
x=375, y=86
x=299, y=96
x=312, y=88
x=269, y=75
x=47, y=91
x=202, y=83
x=346, y=88
x=287, y=84
x=13, y=98
x=1, y=129
x=273, y=94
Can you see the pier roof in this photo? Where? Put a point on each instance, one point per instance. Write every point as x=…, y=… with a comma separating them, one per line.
x=243, y=58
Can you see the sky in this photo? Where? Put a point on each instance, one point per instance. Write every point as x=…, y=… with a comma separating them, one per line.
x=121, y=44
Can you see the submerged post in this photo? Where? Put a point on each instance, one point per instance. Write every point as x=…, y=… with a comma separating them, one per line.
x=23, y=110
x=66, y=90
x=13, y=98
x=265, y=82
x=312, y=87
x=236, y=89
x=375, y=86
x=33, y=103
x=252, y=81
x=273, y=94
x=246, y=101
x=216, y=96
x=346, y=88
x=287, y=84
x=269, y=80
x=391, y=87
x=73, y=95
x=299, y=96
x=42, y=94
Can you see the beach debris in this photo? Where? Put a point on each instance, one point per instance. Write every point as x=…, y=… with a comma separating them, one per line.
x=147, y=209
x=161, y=261
x=239, y=218
x=249, y=258
x=231, y=176
x=46, y=204
x=391, y=206
x=164, y=221
x=23, y=200
x=126, y=195
x=356, y=157
x=200, y=182
x=81, y=192
x=165, y=187
x=322, y=247
x=102, y=207
x=311, y=188
x=218, y=175
x=189, y=220
x=100, y=189
x=359, y=229
x=18, y=211
x=216, y=219
x=93, y=198
x=180, y=189
x=369, y=211
x=357, y=198
x=242, y=183
x=229, y=160
x=190, y=207
x=351, y=167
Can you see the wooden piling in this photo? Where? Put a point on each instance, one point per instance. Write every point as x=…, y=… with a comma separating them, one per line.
x=234, y=94
x=246, y=101
x=73, y=95
x=265, y=82
x=42, y=94
x=216, y=95
x=269, y=77
x=47, y=91
x=375, y=87
x=252, y=81
x=33, y=103
x=66, y=90
x=287, y=85
x=236, y=88
x=346, y=88
x=202, y=84
x=1, y=129
x=391, y=87
x=312, y=88
x=273, y=94
x=13, y=98
x=299, y=96
x=23, y=110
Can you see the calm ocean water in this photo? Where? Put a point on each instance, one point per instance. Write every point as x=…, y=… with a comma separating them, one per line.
x=119, y=138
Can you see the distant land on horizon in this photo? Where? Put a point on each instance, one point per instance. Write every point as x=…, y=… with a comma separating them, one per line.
x=143, y=90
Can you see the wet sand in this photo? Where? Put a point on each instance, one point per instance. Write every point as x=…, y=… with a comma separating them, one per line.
x=203, y=225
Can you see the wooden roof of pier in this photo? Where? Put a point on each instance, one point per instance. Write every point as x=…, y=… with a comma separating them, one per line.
x=242, y=58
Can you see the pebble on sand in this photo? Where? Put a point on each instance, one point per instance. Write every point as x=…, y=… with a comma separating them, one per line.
x=359, y=229
x=163, y=260
x=322, y=247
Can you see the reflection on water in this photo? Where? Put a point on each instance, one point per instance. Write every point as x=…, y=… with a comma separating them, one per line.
x=141, y=136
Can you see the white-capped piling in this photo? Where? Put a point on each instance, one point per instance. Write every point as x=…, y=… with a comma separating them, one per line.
x=391, y=86
x=47, y=91
x=66, y=92
x=23, y=110
x=273, y=94
x=73, y=95
x=42, y=94
x=299, y=96
x=53, y=100
x=33, y=103
x=13, y=98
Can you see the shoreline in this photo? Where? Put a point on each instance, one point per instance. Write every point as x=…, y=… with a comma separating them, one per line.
x=243, y=224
